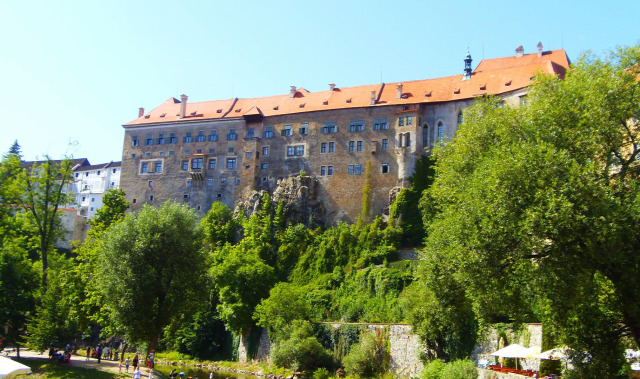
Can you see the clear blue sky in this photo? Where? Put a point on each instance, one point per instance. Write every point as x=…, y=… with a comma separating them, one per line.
x=78, y=70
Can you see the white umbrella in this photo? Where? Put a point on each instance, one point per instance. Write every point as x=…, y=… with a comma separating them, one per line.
x=554, y=354
x=516, y=351
x=10, y=368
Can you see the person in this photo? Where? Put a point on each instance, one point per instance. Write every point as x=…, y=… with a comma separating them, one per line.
x=151, y=374
x=126, y=364
x=99, y=353
x=136, y=373
x=135, y=361
x=173, y=373
x=88, y=353
x=151, y=359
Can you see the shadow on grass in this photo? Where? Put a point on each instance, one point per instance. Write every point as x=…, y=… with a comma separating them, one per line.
x=50, y=370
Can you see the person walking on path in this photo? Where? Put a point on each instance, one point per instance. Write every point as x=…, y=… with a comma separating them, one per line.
x=135, y=361
x=126, y=365
x=88, y=353
x=99, y=353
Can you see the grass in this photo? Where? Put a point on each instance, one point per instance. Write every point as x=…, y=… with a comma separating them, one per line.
x=43, y=369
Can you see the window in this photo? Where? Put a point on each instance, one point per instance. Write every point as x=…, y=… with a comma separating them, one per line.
x=230, y=149
x=231, y=163
x=523, y=101
x=158, y=167
x=295, y=150
x=460, y=115
x=323, y=170
x=150, y=183
x=440, y=131
x=232, y=136
x=171, y=152
x=409, y=120
x=93, y=199
x=150, y=198
x=323, y=148
x=350, y=169
x=187, y=137
x=237, y=181
x=189, y=182
x=268, y=132
x=329, y=170
x=91, y=209
x=302, y=166
x=146, y=155
x=198, y=151
x=134, y=201
x=161, y=139
x=149, y=140
x=161, y=153
x=332, y=147
x=286, y=167
x=250, y=132
x=380, y=124
x=385, y=144
x=187, y=151
x=186, y=196
x=77, y=174
x=223, y=181
x=134, y=141
x=210, y=182
x=287, y=130
x=265, y=150
x=264, y=166
x=200, y=137
x=185, y=165
x=248, y=154
x=359, y=146
x=385, y=168
x=144, y=168
x=352, y=145
x=212, y=164
x=401, y=121
x=358, y=169
x=329, y=127
x=196, y=163
x=304, y=128
x=356, y=125
x=84, y=198
x=213, y=135
x=133, y=155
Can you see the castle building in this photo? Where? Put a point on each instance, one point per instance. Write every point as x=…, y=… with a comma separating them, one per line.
x=222, y=150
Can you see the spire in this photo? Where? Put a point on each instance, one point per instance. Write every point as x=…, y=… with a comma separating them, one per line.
x=467, y=67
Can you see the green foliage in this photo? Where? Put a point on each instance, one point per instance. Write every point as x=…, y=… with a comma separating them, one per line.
x=404, y=211
x=218, y=225
x=535, y=209
x=151, y=266
x=302, y=351
x=114, y=206
x=370, y=357
x=460, y=369
x=321, y=373
x=433, y=370
x=285, y=304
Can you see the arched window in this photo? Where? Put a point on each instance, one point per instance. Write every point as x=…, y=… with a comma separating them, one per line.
x=440, y=131
x=460, y=118
x=425, y=136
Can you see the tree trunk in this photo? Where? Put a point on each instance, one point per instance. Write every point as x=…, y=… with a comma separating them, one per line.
x=17, y=351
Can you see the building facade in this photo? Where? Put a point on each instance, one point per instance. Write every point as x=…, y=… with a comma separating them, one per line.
x=222, y=150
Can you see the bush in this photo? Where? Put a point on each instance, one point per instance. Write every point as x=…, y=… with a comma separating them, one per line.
x=302, y=351
x=462, y=369
x=321, y=373
x=433, y=370
x=369, y=357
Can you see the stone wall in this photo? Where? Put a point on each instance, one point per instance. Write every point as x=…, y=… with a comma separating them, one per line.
x=530, y=336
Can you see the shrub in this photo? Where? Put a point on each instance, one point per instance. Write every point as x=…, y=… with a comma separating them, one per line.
x=432, y=370
x=369, y=357
x=321, y=373
x=461, y=369
x=302, y=351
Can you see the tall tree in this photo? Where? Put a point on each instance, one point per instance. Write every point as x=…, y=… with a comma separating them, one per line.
x=544, y=200
x=44, y=190
x=152, y=264
x=15, y=149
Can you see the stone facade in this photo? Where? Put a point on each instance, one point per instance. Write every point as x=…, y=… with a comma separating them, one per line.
x=223, y=150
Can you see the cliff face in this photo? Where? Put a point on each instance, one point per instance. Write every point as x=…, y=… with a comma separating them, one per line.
x=299, y=197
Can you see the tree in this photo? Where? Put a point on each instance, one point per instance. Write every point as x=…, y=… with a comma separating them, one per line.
x=219, y=225
x=15, y=149
x=153, y=269
x=543, y=200
x=114, y=206
x=43, y=190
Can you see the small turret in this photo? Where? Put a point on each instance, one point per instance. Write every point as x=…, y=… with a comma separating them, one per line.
x=467, y=67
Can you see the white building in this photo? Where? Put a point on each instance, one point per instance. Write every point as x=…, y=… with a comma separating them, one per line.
x=90, y=182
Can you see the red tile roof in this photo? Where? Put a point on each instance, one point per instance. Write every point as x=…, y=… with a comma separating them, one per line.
x=492, y=76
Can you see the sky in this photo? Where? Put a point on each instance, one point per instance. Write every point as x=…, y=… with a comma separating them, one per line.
x=72, y=72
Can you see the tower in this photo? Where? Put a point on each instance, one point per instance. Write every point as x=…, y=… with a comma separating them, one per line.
x=467, y=67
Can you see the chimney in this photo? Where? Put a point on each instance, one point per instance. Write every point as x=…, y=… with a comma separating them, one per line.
x=373, y=98
x=293, y=91
x=519, y=51
x=140, y=112
x=539, y=49
x=332, y=86
x=399, y=86
x=183, y=105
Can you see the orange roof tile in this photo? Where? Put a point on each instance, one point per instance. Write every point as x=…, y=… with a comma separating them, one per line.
x=492, y=76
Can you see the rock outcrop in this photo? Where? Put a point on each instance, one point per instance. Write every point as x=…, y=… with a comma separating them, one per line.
x=299, y=197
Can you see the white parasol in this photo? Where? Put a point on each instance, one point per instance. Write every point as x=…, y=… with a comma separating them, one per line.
x=10, y=368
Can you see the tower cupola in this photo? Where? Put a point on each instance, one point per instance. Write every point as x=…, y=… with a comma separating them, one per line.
x=467, y=67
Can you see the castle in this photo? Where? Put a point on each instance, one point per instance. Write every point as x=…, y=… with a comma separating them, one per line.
x=222, y=150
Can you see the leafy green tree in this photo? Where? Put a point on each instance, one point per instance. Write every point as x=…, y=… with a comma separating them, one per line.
x=528, y=198
x=218, y=225
x=152, y=269
x=301, y=351
x=18, y=286
x=114, y=206
x=15, y=149
x=285, y=304
x=369, y=357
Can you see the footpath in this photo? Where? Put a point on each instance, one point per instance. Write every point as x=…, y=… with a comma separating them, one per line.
x=81, y=361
